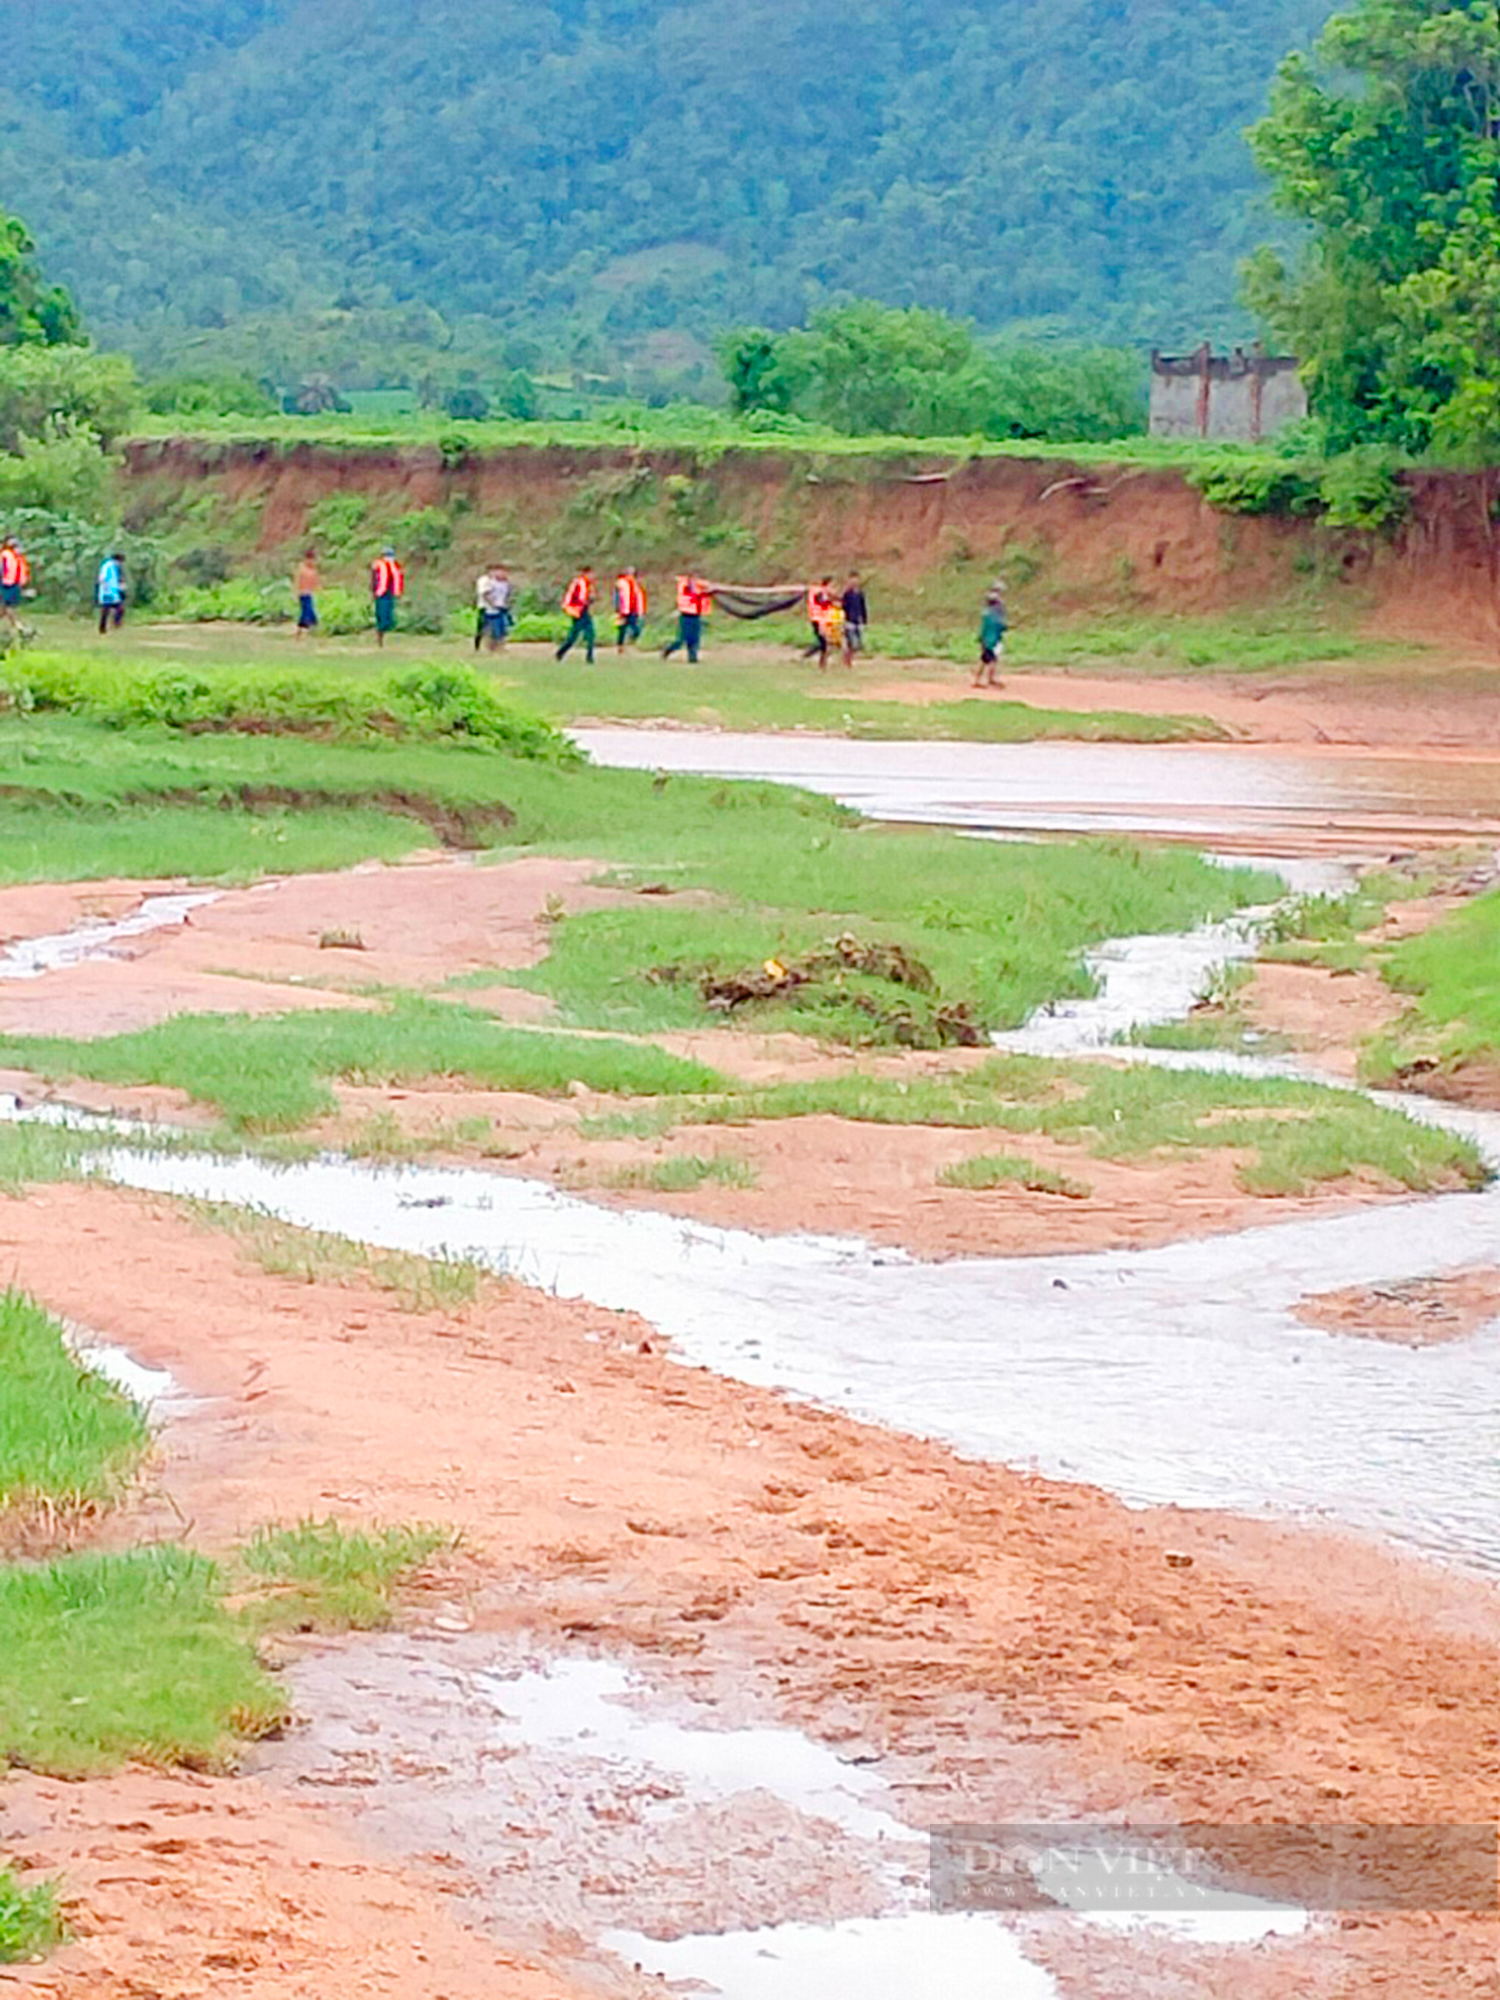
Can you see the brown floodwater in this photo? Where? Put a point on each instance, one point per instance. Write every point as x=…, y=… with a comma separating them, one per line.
x=1227, y=796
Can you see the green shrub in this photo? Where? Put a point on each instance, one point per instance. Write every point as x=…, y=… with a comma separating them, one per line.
x=1362, y=489
x=427, y=531
x=335, y=523
x=1243, y=482
x=423, y=702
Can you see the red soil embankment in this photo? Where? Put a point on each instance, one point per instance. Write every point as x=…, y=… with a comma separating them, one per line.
x=1117, y=537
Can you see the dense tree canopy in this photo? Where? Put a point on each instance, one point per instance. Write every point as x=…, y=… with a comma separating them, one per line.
x=866, y=367
x=622, y=178
x=32, y=312
x=1388, y=143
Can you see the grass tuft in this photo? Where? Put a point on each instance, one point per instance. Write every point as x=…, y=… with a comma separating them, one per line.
x=320, y=1576
x=1451, y=974
x=684, y=1172
x=311, y=1257
x=994, y=1170
x=109, y=1658
x=31, y=1922
x=68, y=1440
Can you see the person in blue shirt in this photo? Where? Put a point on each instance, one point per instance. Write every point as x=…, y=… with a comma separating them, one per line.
x=110, y=592
x=993, y=625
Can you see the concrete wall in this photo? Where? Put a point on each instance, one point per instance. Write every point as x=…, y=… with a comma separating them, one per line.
x=1244, y=396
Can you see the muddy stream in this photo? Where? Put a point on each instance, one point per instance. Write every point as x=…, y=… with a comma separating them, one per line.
x=587, y=1801
x=1216, y=795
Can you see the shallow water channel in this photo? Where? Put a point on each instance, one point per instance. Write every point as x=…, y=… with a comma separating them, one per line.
x=583, y=1801
x=29, y=958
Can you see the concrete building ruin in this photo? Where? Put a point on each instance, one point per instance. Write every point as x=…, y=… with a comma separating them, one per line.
x=1246, y=395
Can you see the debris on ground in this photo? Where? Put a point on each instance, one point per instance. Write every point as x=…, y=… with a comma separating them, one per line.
x=824, y=975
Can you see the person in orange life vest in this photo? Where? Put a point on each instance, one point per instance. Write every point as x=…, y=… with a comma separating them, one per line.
x=15, y=574
x=819, y=602
x=630, y=607
x=578, y=602
x=387, y=583
x=694, y=602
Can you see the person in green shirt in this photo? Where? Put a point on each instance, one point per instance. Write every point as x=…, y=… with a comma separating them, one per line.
x=992, y=629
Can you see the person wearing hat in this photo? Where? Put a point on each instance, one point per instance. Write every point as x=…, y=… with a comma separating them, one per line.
x=993, y=625
x=387, y=583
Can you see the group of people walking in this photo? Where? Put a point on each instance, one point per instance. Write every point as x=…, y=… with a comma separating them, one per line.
x=838, y=618
x=695, y=599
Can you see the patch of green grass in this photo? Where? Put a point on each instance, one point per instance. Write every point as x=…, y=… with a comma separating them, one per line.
x=52, y=841
x=272, y=1073
x=999, y=927
x=314, y=1257
x=683, y=1172
x=31, y=1923
x=994, y=1170
x=320, y=1576
x=1217, y=1020
x=1451, y=974
x=110, y=1658
x=1246, y=642
x=1210, y=1028
x=648, y=1124
x=68, y=1440
x=1294, y=1136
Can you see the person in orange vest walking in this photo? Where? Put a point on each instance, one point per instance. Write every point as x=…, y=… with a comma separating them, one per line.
x=15, y=574
x=578, y=602
x=694, y=602
x=819, y=603
x=630, y=607
x=387, y=583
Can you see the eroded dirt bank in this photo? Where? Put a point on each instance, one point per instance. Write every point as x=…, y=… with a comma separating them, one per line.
x=996, y=1640
x=1117, y=537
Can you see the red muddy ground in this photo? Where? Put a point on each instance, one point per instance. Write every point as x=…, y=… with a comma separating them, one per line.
x=985, y=1630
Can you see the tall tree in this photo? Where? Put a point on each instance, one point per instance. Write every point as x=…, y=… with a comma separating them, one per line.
x=1387, y=142
x=32, y=312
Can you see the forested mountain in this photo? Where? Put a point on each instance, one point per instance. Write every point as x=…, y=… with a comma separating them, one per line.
x=599, y=176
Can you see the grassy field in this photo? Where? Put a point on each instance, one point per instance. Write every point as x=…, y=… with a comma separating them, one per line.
x=684, y=426
x=1451, y=976
x=749, y=678
x=993, y=929
x=136, y=1654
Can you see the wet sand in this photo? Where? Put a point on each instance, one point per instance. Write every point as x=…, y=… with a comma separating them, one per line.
x=997, y=1640
x=992, y=1643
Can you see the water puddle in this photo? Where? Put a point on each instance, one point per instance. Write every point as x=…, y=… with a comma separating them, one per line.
x=30, y=958
x=917, y=1956
x=592, y=1707
x=574, y=1793
x=156, y=1392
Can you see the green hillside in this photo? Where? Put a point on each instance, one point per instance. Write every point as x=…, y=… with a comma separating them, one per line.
x=598, y=181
